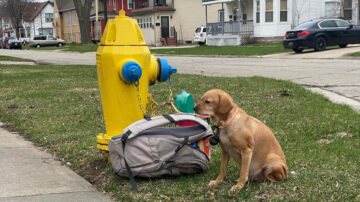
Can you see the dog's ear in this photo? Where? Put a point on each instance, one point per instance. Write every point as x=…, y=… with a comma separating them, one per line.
x=225, y=103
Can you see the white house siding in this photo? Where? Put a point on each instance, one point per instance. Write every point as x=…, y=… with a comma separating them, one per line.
x=147, y=30
x=298, y=11
x=275, y=28
x=305, y=10
x=39, y=22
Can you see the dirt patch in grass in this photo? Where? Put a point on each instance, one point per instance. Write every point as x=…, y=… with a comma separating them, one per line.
x=94, y=173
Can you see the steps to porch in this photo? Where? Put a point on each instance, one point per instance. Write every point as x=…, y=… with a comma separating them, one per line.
x=168, y=41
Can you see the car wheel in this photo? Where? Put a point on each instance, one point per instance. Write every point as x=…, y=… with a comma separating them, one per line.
x=342, y=45
x=60, y=44
x=298, y=50
x=37, y=45
x=320, y=44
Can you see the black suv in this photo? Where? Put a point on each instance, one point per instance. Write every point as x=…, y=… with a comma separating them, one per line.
x=318, y=34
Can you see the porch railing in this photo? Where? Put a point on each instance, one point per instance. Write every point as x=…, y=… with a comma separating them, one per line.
x=230, y=27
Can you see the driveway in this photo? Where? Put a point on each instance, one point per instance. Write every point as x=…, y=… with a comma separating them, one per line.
x=338, y=78
x=333, y=52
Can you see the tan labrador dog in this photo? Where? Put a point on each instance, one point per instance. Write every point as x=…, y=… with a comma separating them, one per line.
x=244, y=138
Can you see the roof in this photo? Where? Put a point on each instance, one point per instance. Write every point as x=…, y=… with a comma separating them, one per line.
x=65, y=5
x=33, y=9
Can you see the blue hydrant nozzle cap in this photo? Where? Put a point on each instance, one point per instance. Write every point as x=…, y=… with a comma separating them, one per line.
x=131, y=71
x=165, y=70
x=173, y=70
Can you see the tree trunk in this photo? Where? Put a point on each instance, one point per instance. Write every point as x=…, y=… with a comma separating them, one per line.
x=83, y=8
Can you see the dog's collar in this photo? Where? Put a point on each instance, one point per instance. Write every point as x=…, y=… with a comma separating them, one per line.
x=228, y=122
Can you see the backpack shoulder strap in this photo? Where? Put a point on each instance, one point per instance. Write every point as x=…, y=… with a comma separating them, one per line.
x=139, y=126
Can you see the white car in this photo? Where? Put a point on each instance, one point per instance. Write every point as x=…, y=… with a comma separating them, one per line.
x=200, y=35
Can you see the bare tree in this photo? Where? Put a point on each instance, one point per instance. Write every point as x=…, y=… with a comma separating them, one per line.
x=15, y=10
x=83, y=8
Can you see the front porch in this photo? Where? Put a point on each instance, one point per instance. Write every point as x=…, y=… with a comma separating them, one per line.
x=235, y=24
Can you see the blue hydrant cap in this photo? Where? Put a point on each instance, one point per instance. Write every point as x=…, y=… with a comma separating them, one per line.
x=165, y=69
x=131, y=71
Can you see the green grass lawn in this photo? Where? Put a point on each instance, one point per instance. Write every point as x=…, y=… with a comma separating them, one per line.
x=75, y=47
x=16, y=59
x=59, y=107
x=245, y=50
x=357, y=54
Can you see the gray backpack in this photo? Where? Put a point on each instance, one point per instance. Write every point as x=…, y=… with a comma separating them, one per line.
x=145, y=149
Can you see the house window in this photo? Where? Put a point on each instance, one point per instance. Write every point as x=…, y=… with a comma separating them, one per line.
x=257, y=11
x=110, y=2
x=283, y=11
x=46, y=31
x=28, y=32
x=221, y=15
x=159, y=2
x=269, y=14
x=332, y=9
x=114, y=3
x=73, y=16
x=347, y=8
x=69, y=19
x=131, y=4
x=49, y=17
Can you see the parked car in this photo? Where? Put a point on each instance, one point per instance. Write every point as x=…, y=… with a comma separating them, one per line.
x=200, y=35
x=13, y=44
x=319, y=34
x=5, y=41
x=46, y=41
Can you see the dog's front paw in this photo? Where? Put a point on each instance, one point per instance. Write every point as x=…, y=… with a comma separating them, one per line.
x=236, y=187
x=213, y=183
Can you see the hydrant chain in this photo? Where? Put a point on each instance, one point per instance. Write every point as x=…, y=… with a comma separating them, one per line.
x=139, y=98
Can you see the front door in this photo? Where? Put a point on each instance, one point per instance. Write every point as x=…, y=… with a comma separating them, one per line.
x=164, y=26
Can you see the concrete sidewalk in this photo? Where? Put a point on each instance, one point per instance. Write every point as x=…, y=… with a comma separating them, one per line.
x=29, y=174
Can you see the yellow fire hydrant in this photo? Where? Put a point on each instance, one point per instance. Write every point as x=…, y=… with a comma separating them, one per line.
x=125, y=69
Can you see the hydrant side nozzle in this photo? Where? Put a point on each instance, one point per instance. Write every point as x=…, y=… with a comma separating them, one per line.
x=165, y=70
x=131, y=72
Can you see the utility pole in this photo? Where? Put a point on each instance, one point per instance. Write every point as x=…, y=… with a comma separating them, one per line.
x=105, y=12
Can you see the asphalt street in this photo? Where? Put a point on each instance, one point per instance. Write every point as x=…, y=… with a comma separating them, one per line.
x=337, y=78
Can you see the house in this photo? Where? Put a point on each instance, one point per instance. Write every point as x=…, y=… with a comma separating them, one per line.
x=162, y=22
x=97, y=22
x=238, y=21
x=66, y=22
x=169, y=22
x=38, y=20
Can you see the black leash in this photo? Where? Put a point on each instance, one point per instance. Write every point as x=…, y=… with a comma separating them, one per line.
x=214, y=140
